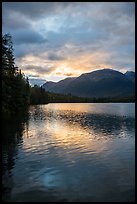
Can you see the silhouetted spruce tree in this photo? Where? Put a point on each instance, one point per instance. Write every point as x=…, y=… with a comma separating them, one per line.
x=15, y=87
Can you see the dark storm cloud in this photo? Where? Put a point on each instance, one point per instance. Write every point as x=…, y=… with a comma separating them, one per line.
x=58, y=31
x=34, y=10
x=83, y=24
x=28, y=37
x=14, y=21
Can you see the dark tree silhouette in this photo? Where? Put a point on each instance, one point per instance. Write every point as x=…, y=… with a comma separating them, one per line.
x=15, y=87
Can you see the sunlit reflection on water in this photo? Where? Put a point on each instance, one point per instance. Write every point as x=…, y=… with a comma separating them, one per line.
x=76, y=152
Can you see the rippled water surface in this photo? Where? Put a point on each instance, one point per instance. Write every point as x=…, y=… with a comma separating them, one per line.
x=72, y=152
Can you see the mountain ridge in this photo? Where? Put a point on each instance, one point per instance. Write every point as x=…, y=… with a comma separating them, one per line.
x=99, y=83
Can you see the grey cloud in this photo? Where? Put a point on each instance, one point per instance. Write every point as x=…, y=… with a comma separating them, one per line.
x=26, y=36
x=33, y=75
x=21, y=50
x=35, y=10
x=40, y=69
x=28, y=41
x=101, y=20
x=14, y=21
x=57, y=39
x=54, y=56
x=30, y=9
x=88, y=26
x=128, y=8
x=35, y=49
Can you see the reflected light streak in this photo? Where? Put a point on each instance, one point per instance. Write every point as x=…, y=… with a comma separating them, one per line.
x=70, y=136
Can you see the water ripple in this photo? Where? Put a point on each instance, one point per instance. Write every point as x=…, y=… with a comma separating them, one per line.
x=76, y=152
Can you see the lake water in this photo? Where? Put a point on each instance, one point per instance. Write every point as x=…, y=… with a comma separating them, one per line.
x=68, y=152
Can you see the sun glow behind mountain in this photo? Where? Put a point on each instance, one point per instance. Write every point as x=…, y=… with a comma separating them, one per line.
x=55, y=40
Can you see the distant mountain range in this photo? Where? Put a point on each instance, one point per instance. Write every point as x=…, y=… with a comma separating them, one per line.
x=100, y=83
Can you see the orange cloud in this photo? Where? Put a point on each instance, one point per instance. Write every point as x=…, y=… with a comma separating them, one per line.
x=73, y=64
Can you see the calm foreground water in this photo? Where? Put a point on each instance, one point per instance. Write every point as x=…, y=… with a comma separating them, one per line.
x=71, y=152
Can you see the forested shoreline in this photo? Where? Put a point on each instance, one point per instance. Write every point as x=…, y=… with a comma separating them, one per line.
x=15, y=86
x=38, y=95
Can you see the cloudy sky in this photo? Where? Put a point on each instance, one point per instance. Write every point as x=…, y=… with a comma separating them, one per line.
x=55, y=40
